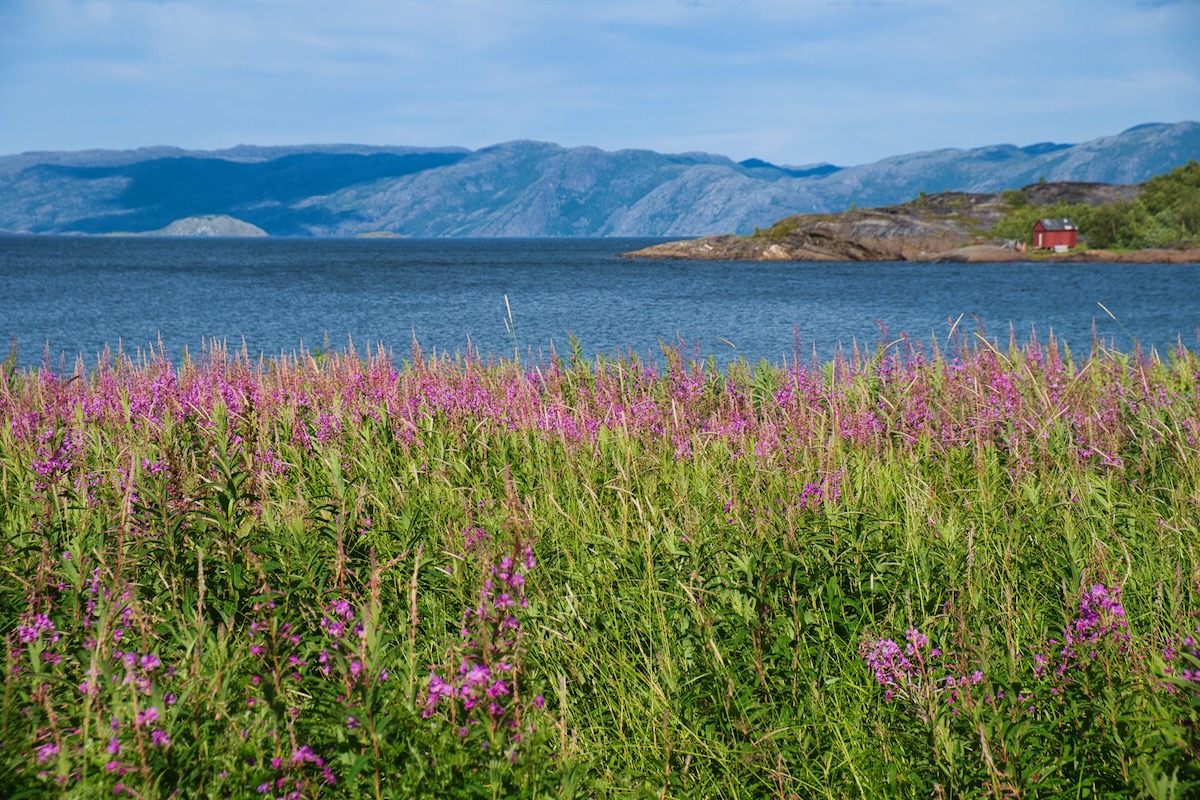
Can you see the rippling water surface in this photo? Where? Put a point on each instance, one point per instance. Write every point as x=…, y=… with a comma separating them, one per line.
x=76, y=295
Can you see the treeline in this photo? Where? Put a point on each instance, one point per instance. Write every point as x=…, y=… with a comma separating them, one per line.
x=1165, y=214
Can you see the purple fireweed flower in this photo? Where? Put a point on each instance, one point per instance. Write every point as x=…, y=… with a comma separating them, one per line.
x=150, y=715
x=1040, y=661
x=472, y=537
x=438, y=689
x=33, y=631
x=888, y=662
x=1100, y=617
x=159, y=739
x=46, y=752
x=476, y=675
x=917, y=641
x=304, y=754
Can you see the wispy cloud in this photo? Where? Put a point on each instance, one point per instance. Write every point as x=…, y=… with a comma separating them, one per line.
x=789, y=80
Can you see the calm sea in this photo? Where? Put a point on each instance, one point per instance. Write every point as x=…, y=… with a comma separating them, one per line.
x=73, y=296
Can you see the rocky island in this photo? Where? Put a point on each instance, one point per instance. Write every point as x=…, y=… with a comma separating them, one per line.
x=220, y=225
x=949, y=226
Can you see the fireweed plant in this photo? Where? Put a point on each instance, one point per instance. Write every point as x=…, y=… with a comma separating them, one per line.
x=947, y=571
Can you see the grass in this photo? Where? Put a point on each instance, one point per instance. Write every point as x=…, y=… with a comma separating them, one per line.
x=779, y=231
x=963, y=572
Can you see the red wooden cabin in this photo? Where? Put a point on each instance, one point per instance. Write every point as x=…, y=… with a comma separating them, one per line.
x=1051, y=233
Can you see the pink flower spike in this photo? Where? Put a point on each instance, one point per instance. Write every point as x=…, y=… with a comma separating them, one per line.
x=46, y=752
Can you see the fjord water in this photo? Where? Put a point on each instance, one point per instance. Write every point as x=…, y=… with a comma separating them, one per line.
x=70, y=296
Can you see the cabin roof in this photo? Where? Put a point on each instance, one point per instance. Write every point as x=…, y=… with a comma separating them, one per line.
x=1057, y=224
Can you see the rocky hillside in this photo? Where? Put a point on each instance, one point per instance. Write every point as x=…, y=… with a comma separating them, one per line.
x=525, y=188
x=944, y=226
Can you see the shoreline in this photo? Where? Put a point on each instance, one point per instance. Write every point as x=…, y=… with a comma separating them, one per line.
x=737, y=248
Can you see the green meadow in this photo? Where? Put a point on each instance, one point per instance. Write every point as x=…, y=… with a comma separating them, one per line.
x=915, y=572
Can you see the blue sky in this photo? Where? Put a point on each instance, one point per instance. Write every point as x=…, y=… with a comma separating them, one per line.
x=791, y=81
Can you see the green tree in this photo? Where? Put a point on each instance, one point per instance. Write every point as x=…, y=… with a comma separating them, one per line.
x=1176, y=188
x=1189, y=216
x=1120, y=224
x=1014, y=197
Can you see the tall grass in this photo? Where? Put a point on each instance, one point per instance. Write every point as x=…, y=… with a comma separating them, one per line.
x=907, y=573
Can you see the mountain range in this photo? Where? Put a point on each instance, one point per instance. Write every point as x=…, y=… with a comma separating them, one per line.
x=524, y=188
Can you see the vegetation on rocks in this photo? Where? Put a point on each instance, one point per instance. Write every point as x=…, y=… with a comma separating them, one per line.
x=919, y=572
x=1165, y=213
x=1162, y=213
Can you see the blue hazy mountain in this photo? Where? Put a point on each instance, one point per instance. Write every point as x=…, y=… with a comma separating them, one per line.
x=525, y=188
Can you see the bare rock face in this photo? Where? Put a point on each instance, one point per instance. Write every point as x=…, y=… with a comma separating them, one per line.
x=929, y=225
x=210, y=225
x=1092, y=194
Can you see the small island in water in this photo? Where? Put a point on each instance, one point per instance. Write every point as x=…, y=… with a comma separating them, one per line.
x=205, y=226
x=1154, y=222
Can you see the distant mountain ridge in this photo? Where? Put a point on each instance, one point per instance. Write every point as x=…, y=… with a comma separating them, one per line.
x=525, y=188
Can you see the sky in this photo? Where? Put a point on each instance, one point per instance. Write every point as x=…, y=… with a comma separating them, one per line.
x=790, y=81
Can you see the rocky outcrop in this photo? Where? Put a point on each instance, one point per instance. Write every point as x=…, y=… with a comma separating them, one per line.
x=920, y=230
x=951, y=226
x=210, y=225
